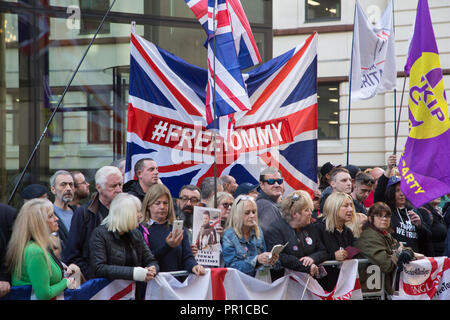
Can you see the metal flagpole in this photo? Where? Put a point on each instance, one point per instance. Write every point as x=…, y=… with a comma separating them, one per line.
x=399, y=116
x=44, y=132
x=350, y=90
x=214, y=105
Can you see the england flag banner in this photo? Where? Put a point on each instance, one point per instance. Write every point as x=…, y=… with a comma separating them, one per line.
x=425, y=279
x=167, y=122
x=374, y=67
x=231, y=284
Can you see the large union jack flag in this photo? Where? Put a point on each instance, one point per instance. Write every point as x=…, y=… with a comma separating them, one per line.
x=166, y=119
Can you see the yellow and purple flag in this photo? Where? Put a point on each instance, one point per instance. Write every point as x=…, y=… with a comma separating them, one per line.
x=424, y=165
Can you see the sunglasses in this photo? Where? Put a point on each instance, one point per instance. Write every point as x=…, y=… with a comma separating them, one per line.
x=272, y=181
x=226, y=205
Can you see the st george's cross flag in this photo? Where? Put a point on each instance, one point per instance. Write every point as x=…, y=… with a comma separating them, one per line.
x=425, y=173
x=374, y=68
x=232, y=284
x=166, y=119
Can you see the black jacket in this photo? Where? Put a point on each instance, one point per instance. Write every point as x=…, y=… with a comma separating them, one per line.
x=437, y=227
x=134, y=188
x=7, y=218
x=107, y=258
x=332, y=242
x=85, y=219
x=303, y=243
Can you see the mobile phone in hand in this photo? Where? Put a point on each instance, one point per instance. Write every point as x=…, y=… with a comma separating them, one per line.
x=177, y=225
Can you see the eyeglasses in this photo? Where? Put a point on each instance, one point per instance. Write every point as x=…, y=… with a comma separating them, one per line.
x=192, y=200
x=385, y=216
x=226, y=205
x=272, y=181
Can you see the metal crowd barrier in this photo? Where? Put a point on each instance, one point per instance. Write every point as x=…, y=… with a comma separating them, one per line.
x=380, y=293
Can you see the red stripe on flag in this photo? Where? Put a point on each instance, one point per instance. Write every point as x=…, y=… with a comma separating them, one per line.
x=280, y=76
x=239, y=11
x=217, y=278
x=227, y=91
x=185, y=103
x=119, y=295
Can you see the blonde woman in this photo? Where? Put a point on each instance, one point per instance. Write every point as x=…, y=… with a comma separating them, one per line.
x=224, y=203
x=172, y=249
x=335, y=235
x=243, y=245
x=117, y=249
x=30, y=257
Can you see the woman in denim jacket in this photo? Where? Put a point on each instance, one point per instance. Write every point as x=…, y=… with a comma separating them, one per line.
x=243, y=246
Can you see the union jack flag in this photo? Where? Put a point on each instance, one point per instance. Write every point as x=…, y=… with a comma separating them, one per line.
x=245, y=43
x=166, y=120
x=225, y=90
x=93, y=289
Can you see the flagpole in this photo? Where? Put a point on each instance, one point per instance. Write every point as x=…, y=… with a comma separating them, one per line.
x=350, y=89
x=399, y=116
x=214, y=105
x=44, y=132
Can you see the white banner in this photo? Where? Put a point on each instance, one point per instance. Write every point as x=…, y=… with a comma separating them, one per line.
x=374, y=67
x=231, y=284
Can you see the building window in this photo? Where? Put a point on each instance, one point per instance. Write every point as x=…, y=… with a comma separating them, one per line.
x=322, y=10
x=89, y=26
x=99, y=118
x=328, y=110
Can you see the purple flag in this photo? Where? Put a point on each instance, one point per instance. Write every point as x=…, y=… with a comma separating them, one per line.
x=424, y=165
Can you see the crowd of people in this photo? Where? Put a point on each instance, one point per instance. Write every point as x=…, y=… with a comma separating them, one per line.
x=125, y=231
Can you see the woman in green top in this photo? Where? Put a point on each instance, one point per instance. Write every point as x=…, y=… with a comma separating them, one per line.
x=30, y=258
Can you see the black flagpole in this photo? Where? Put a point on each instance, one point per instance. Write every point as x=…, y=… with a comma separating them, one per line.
x=36, y=147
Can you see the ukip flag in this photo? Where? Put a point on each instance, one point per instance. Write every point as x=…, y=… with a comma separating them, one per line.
x=424, y=162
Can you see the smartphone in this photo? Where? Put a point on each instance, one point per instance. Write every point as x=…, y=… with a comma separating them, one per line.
x=177, y=225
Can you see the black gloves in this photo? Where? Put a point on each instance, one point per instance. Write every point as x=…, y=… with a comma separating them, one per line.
x=404, y=257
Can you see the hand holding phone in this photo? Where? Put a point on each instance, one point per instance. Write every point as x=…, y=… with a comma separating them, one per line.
x=177, y=226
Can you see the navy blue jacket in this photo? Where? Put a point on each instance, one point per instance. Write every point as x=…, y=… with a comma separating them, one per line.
x=169, y=259
x=85, y=219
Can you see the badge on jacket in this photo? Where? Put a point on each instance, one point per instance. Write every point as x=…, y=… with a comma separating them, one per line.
x=309, y=241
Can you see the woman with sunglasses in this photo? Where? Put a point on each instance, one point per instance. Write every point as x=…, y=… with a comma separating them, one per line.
x=224, y=203
x=304, y=251
x=379, y=247
x=243, y=246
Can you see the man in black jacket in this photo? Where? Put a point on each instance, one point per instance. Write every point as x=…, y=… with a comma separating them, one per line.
x=146, y=171
x=86, y=218
x=7, y=217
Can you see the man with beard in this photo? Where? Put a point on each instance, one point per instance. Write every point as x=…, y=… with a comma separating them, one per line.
x=81, y=188
x=188, y=198
x=62, y=187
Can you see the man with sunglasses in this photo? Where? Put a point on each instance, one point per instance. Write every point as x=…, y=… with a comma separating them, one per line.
x=271, y=185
